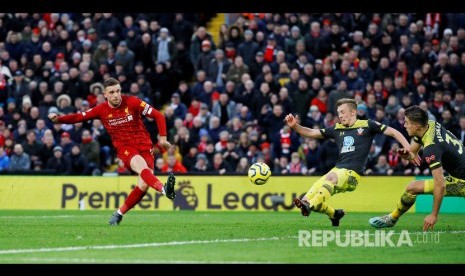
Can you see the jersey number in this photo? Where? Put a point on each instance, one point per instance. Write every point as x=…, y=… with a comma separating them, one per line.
x=454, y=141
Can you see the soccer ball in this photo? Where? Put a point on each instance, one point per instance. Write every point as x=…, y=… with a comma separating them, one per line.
x=259, y=173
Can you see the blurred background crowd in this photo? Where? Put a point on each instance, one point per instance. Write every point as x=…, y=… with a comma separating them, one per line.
x=224, y=83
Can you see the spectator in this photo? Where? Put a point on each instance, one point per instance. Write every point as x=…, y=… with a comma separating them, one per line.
x=4, y=160
x=19, y=88
x=328, y=155
x=217, y=69
x=382, y=166
x=205, y=57
x=164, y=47
x=195, y=47
x=310, y=152
x=220, y=165
x=231, y=153
x=202, y=164
x=46, y=150
x=242, y=166
x=32, y=146
x=19, y=160
x=78, y=163
x=91, y=151
x=190, y=158
x=314, y=117
x=236, y=70
x=281, y=165
x=173, y=165
x=59, y=163
x=297, y=165
x=178, y=107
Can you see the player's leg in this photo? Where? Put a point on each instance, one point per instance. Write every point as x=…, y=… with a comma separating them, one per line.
x=337, y=181
x=303, y=203
x=135, y=162
x=454, y=187
x=324, y=192
x=139, y=166
x=133, y=198
x=409, y=197
x=406, y=201
x=168, y=188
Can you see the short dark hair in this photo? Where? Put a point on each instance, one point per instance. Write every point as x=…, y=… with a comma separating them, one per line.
x=417, y=115
x=350, y=102
x=110, y=82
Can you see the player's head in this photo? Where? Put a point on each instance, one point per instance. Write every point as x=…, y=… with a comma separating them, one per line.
x=112, y=91
x=416, y=119
x=347, y=111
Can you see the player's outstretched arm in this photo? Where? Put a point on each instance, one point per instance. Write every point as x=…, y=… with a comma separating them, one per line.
x=438, y=195
x=406, y=150
x=293, y=122
x=73, y=118
x=398, y=136
x=151, y=112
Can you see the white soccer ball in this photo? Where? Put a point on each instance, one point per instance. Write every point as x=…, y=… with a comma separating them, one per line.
x=259, y=173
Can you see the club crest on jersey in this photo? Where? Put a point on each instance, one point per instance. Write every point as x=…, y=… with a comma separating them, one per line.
x=360, y=131
x=348, y=144
x=430, y=158
x=128, y=115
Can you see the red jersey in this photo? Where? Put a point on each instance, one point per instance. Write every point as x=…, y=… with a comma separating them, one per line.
x=123, y=123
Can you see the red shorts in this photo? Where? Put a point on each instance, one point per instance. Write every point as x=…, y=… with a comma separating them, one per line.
x=126, y=153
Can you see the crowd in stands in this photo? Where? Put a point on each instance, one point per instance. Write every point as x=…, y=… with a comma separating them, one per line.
x=224, y=102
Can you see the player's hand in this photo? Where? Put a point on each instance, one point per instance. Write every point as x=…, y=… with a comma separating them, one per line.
x=53, y=117
x=429, y=222
x=416, y=161
x=406, y=154
x=164, y=144
x=403, y=153
x=291, y=120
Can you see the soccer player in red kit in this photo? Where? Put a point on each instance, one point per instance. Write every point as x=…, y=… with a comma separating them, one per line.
x=122, y=117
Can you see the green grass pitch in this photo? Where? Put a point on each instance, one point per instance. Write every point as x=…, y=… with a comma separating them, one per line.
x=185, y=237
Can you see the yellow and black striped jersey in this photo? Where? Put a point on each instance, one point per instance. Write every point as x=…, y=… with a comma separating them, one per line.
x=354, y=142
x=442, y=148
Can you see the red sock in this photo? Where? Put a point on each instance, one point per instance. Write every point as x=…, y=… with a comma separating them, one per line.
x=151, y=180
x=134, y=197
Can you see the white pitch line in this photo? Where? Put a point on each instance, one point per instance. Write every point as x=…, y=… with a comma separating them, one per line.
x=103, y=247
x=59, y=216
x=121, y=261
x=176, y=243
x=47, y=217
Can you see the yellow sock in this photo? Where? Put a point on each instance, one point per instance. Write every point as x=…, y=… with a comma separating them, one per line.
x=323, y=194
x=325, y=208
x=406, y=201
